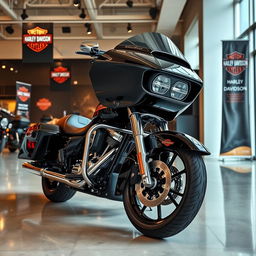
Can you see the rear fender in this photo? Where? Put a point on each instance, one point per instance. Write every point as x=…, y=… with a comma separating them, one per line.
x=175, y=140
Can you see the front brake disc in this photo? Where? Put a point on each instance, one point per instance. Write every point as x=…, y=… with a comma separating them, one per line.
x=161, y=175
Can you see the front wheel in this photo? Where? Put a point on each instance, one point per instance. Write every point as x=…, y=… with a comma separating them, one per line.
x=172, y=203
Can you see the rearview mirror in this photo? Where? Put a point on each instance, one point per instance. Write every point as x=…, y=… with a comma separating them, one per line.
x=89, y=47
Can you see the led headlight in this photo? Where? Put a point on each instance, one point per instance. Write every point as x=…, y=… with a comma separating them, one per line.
x=161, y=84
x=4, y=123
x=179, y=90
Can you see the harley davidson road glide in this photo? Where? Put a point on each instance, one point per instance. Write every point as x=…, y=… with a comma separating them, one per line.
x=126, y=152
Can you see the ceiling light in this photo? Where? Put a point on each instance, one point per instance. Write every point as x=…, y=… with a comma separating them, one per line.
x=75, y=82
x=76, y=3
x=82, y=15
x=9, y=29
x=3, y=67
x=11, y=69
x=129, y=28
x=24, y=14
x=89, y=28
x=129, y=3
x=153, y=12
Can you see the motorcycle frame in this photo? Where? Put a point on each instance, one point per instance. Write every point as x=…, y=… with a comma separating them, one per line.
x=138, y=135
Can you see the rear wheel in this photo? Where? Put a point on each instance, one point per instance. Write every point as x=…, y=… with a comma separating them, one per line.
x=56, y=191
x=179, y=187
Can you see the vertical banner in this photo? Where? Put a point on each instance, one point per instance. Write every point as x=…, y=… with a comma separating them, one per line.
x=37, y=42
x=23, y=95
x=235, y=137
x=60, y=76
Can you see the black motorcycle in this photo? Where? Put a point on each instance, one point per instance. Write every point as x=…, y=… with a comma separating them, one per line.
x=5, y=125
x=17, y=132
x=126, y=152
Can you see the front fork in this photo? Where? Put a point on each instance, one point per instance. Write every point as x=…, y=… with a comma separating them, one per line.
x=138, y=134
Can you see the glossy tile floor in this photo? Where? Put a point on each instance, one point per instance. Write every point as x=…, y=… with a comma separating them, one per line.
x=86, y=225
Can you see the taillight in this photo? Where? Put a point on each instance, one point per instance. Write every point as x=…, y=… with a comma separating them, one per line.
x=31, y=145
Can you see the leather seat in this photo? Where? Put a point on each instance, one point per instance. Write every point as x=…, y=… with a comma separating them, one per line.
x=74, y=124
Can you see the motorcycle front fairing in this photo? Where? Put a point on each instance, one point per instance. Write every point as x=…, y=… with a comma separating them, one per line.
x=139, y=60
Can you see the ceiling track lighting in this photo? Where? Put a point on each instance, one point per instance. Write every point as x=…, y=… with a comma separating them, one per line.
x=129, y=3
x=82, y=15
x=89, y=28
x=153, y=13
x=24, y=14
x=129, y=28
x=9, y=29
x=76, y=3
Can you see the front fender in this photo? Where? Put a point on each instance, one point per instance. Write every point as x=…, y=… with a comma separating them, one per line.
x=175, y=140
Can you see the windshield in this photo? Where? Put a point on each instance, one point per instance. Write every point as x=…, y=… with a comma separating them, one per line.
x=150, y=42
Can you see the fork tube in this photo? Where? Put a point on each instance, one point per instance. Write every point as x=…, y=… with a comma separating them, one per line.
x=137, y=130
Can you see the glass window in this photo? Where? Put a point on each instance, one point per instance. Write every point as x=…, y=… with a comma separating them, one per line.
x=244, y=15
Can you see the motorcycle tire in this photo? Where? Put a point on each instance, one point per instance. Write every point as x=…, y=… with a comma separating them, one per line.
x=56, y=191
x=185, y=204
x=12, y=149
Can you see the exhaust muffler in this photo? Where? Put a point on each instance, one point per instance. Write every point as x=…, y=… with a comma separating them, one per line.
x=53, y=175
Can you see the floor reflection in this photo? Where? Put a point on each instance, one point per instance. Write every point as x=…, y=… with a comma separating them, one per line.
x=86, y=225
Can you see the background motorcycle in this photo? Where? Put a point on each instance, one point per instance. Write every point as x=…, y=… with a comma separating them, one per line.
x=5, y=125
x=17, y=132
x=127, y=152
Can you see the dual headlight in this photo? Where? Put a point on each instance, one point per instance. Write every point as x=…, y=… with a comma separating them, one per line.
x=4, y=123
x=162, y=84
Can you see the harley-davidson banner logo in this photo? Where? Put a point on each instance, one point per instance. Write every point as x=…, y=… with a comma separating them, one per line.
x=60, y=75
x=37, y=39
x=23, y=94
x=43, y=104
x=235, y=63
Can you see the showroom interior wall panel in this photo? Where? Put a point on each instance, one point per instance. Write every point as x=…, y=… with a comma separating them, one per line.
x=215, y=28
x=81, y=98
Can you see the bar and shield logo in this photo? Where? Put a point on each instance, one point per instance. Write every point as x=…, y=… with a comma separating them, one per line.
x=37, y=43
x=60, y=76
x=235, y=136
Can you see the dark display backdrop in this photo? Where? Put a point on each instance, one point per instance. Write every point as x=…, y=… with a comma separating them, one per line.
x=37, y=42
x=235, y=138
x=80, y=98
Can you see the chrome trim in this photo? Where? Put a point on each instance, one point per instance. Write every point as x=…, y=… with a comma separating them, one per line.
x=101, y=160
x=53, y=176
x=137, y=130
x=87, y=147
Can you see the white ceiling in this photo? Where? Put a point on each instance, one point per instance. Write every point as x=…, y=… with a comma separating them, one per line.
x=109, y=19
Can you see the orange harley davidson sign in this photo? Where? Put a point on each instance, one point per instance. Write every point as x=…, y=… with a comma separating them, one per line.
x=37, y=39
x=60, y=74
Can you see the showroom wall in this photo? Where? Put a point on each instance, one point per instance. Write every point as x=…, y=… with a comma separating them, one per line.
x=77, y=97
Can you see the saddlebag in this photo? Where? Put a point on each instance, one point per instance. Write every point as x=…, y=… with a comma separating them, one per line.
x=41, y=142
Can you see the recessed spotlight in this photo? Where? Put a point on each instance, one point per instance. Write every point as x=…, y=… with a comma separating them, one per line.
x=24, y=14
x=75, y=82
x=82, y=15
x=11, y=69
x=89, y=28
x=129, y=28
x=3, y=67
x=9, y=29
x=129, y=3
x=153, y=12
x=76, y=3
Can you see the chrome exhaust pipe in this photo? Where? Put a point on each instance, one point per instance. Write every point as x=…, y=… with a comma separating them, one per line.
x=53, y=175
